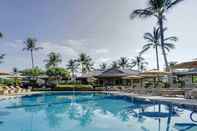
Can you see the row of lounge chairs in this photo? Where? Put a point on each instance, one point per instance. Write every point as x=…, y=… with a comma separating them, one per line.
x=12, y=90
x=169, y=92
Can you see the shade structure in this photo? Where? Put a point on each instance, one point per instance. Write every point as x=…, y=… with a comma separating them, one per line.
x=187, y=65
x=152, y=73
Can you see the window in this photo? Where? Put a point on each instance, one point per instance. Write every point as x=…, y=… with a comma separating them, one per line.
x=194, y=79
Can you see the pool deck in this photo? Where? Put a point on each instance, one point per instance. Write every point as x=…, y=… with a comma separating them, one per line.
x=181, y=102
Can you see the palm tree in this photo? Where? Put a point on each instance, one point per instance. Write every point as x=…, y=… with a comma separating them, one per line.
x=72, y=66
x=158, y=9
x=30, y=45
x=114, y=64
x=103, y=66
x=123, y=62
x=85, y=62
x=152, y=42
x=140, y=62
x=53, y=59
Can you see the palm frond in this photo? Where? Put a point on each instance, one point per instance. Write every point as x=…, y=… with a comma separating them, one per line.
x=174, y=3
x=169, y=45
x=171, y=38
x=142, y=13
x=148, y=36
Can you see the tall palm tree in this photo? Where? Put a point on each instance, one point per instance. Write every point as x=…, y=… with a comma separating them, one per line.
x=53, y=59
x=85, y=62
x=72, y=66
x=158, y=9
x=152, y=42
x=123, y=62
x=30, y=45
x=140, y=62
x=103, y=66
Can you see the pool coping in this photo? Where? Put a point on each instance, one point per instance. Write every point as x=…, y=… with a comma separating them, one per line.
x=190, y=104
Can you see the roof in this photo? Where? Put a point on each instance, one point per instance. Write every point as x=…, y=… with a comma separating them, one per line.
x=190, y=72
x=90, y=74
x=154, y=72
x=115, y=72
x=188, y=64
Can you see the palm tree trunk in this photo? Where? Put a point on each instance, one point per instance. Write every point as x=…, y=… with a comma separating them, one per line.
x=157, y=57
x=32, y=59
x=160, y=19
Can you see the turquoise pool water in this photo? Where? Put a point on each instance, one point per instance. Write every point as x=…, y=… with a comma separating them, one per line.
x=91, y=112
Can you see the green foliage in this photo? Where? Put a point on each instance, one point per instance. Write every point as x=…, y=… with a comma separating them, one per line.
x=85, y=62
x=123, y=63
x=58, y=72
x=32, y=72
x=53, y=59
x=9, y=82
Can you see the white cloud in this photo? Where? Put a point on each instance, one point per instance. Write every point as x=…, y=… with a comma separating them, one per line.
x=101, y=51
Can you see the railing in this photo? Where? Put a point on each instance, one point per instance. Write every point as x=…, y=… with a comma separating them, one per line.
x=192, y=118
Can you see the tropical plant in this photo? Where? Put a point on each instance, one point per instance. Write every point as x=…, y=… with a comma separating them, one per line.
x=72, y=66
x=30, y=45
x=33, y=72
x=17, y=80
x=123, y=62
x=153, y=41
x=85, y=62
x=172, y=65
x=103, y=66
x=53, y=59
x=158, y=9
x=139, y=62
x=114, y=64
x=57, y=73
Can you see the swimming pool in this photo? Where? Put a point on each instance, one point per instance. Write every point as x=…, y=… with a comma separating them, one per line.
x=91, y=112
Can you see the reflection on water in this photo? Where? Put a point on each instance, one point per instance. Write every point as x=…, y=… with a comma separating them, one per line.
x=98, y=112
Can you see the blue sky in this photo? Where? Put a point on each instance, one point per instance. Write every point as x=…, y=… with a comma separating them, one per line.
x=101, y=28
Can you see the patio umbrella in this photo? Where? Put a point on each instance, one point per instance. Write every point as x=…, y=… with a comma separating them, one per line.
x=185, y=65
